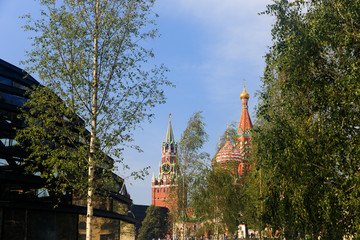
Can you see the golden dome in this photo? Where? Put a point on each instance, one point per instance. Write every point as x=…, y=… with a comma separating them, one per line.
x=244, y=94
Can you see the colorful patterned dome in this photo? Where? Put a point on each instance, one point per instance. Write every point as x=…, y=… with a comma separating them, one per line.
x=228, y=153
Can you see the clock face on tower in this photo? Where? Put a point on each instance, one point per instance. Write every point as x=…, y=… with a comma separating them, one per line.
x=166, y=168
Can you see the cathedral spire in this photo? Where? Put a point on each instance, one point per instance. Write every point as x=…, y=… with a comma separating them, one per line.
x=227, y=132
x=245, y=123
x=219, y=141
x=169, y=133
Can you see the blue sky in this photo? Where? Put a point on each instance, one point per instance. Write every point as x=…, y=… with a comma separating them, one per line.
x=210, y=46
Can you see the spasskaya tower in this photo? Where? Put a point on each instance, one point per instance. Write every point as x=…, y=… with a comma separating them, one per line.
x=160, y=187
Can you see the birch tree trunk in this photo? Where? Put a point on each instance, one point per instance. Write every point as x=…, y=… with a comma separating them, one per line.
x=89, y=215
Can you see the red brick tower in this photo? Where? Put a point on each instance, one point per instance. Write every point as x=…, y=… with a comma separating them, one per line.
x=160, y=190
x=243, y=143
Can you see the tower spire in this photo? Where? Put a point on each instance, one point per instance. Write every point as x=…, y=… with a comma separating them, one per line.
x=227, y=132
x=161, y=185
x=219, y=141
x=169, y=133
x=245, y=123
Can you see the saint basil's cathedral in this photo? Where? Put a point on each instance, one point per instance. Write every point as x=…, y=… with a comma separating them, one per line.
x=232, y=157
x=235, y=158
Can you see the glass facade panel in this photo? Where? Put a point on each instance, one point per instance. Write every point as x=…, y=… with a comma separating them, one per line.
x=9, y=82
x=7, y=142
x=12, y=99
x=10, y=118
x=5, y=81
x=3, y=162
x=20, y=86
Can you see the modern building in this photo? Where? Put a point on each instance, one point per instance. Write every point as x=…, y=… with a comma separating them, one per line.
x=27, y=210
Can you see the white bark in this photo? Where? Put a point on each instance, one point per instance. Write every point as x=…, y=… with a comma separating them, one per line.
x=89, y=215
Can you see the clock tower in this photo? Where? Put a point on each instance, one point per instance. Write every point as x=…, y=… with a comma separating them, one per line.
x=161, y=195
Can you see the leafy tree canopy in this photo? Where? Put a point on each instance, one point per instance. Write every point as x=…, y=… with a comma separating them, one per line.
x=89, y=53
x=155, y=224
x=217, y=199
x=306, y=136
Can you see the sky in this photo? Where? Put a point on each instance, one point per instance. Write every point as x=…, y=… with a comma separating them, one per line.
x=210, y=47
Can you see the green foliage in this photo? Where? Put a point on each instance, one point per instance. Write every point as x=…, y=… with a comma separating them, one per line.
x=306, y=139
x=58, y=146
x=190, y=158
x=63, y=55
x=89, y=55
x=217, y=199
x=212, y=195
x=190, y=162
x=189, y=166
x=232, y=131
x=54, y=138
x=155, y=224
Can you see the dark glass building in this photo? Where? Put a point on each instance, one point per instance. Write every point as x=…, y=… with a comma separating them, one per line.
x=26, y=209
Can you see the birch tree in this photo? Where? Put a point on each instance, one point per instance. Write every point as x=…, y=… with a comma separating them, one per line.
x=88, y=53
x=306, y=139
x=190, y=163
